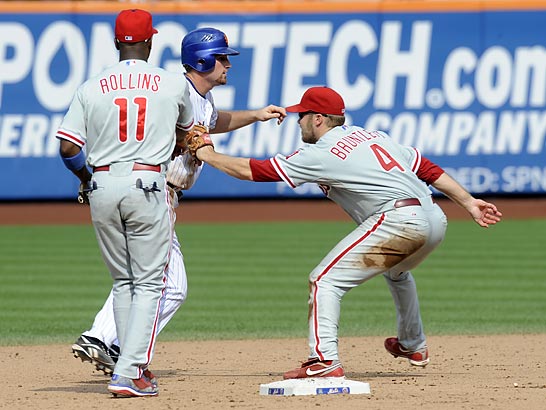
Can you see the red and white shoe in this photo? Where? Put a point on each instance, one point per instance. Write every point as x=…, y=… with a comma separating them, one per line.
x=121, y=386
x=148, y=375
x=316, y=368
x=416, y=358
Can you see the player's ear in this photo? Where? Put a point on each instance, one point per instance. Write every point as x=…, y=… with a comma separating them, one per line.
x=116, y=43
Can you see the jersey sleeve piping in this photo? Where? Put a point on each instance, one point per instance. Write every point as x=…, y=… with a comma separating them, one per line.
x=282, y=173
x=417, y=161
x=185, y=127
x=73, y=138
x=428, y=171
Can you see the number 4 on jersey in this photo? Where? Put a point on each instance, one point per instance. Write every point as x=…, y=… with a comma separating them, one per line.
x=385, y=159
x=122, y=104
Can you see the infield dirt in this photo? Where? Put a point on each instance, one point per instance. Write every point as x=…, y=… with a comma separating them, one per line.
x=466, y=372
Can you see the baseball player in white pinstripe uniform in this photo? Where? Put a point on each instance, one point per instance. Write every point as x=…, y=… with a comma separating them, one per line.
x=382, y=186
x=205, y=54
x=127, y=118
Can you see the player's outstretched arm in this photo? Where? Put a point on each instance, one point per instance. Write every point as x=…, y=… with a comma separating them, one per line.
x=232, y=120
x=484, y=213
x=271, y=112
x=233, y=166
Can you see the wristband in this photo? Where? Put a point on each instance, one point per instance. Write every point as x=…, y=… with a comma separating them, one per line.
x=76, y=162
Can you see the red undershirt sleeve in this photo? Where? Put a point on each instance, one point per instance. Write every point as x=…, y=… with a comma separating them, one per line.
x=263, y=171
x=428, y=171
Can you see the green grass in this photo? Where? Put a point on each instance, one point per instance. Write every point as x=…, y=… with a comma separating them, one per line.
x=250, y=281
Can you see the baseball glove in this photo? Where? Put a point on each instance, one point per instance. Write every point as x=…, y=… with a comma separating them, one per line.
x=197, y=130
x=198, y=141
x=182, y=142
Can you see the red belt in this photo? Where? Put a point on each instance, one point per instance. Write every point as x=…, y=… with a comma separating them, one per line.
x=407, y=202
x=136, y=167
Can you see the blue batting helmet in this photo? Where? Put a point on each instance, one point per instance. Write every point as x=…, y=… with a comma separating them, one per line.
x=201, y=46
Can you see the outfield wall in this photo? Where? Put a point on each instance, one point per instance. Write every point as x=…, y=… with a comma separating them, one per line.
x=463, y=81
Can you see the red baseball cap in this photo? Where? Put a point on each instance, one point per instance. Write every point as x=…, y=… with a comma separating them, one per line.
x=322, y=100
x=133, y=26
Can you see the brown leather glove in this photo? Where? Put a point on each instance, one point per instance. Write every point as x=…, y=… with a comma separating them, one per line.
x=198, y=141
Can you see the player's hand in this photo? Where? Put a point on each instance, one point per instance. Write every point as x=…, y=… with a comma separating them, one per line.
x=83, y=198
x=270, y=112
x=484, y=213
x=201, y=153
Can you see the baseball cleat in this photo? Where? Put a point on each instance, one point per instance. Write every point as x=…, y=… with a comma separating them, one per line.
x=91, y=349
x=148, y=375
x=316, y=368
x=80, y=351
x=416, y=358
x=121, y=386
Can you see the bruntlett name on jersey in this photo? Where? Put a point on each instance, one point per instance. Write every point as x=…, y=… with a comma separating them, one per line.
x=345, y=145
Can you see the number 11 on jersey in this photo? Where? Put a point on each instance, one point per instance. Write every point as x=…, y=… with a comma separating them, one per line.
x=122, y=104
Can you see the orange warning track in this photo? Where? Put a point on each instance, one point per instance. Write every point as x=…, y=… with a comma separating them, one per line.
x=272, y=7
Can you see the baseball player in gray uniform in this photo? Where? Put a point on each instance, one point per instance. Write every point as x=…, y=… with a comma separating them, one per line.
x=129, y=118
x=205, y=56
x=383, y=187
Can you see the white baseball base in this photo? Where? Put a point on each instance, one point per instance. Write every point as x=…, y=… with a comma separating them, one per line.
x=313, y=386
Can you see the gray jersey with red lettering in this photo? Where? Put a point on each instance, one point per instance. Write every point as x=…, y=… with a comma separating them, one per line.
x=126, y=116
x=139, y=129
x=360, y=170
x=368, y=175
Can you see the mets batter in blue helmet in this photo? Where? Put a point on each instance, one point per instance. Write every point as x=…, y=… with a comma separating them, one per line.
x=201, y=46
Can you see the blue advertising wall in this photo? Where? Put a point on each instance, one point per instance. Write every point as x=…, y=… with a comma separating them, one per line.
x=467, y=87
